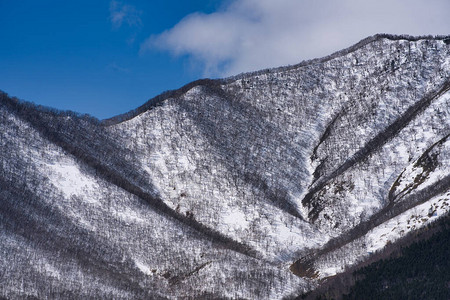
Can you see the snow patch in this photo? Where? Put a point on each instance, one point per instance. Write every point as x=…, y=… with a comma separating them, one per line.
x=67, y=177
x=127, y=215
x=143, y=267
x=236, y=219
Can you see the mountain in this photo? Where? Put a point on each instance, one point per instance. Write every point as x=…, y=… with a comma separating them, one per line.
x=257, y=186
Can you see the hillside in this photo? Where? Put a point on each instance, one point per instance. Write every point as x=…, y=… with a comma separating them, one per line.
x=256, y=186
x=421, y=272
x=416, y=267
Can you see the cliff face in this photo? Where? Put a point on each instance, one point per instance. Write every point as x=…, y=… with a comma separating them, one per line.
x=227, y=188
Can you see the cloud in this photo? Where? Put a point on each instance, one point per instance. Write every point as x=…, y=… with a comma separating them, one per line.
x=115, y=67
x=247, y=35
x=120, y=14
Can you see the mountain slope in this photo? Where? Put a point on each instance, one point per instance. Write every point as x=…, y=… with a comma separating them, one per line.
x=281, y=141
x=87, y=237
x=227, y=188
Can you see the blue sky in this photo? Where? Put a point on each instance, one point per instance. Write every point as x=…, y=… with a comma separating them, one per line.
x=107, y=57
x=70, y=54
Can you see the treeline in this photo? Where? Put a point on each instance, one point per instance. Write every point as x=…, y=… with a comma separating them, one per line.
x=360, y=44
x=157, y=101
x=6, y=100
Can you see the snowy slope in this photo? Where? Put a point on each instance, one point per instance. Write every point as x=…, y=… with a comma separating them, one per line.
x=253, y=146
x=227, y=188
x=84, y=236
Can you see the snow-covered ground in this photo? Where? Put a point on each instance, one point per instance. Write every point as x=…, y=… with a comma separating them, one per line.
x=267, y=159
x=252, y=149
x=384, y=234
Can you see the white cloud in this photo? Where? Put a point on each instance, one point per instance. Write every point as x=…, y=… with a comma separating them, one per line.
x=247, y=35
x=120, y=14
x=114, y=66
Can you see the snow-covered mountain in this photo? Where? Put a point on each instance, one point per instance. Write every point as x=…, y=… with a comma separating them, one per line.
x=255, y=186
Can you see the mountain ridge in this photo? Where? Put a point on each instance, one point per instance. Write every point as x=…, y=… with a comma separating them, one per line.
x=202, y=192
x=214, y=82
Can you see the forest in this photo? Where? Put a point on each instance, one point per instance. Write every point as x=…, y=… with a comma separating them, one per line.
x=415, y=267
x=264, y=185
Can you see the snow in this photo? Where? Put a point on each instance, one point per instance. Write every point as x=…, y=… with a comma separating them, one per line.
x=239, y=163
x=330, y=271
x=236, y=219
x=67, y=177
x=143, y=267
x=130, y=216
x=387, y=232
x=181, y=158
x=51, y=270
x=414, y=218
